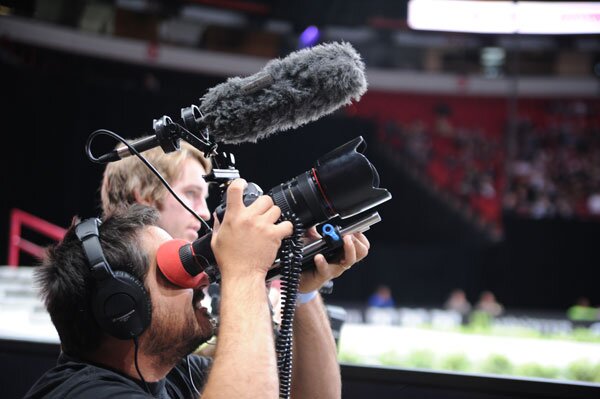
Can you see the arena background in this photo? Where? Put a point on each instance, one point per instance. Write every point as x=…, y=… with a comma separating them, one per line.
x=449, y=119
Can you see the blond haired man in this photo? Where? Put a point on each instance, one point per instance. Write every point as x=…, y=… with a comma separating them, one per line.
x=129, y=181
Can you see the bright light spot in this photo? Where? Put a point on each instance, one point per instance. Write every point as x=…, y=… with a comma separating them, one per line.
x=309, y=37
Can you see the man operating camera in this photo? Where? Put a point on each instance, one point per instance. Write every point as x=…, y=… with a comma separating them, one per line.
x=245, y=245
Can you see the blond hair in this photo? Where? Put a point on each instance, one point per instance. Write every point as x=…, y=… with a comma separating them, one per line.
x=127, y=181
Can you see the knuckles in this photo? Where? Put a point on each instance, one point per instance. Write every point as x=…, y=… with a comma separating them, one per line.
x=262, y=201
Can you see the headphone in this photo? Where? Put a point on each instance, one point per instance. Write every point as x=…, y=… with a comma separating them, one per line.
x=120, y=303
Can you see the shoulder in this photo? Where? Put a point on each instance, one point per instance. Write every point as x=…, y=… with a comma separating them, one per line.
x=201, y=363
x=197, y=366
x=189, y=376
x=80, y=380
x=106, y=389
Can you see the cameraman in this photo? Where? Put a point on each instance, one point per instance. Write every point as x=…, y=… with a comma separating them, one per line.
x=315, y=367
x=95, y=364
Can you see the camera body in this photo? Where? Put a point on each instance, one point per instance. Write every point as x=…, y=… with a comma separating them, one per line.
x=342, y=184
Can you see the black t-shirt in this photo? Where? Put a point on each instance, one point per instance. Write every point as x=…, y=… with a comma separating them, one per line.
x=72, y=378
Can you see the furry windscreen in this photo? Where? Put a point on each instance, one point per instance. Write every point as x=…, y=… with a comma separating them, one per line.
x=285, y=94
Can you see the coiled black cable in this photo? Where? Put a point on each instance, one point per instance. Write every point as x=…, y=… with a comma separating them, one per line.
x=291, y=262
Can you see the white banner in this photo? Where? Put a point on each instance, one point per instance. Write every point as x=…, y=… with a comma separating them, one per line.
x=528, y=17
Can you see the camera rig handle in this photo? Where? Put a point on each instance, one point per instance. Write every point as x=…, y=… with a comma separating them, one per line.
x=327, y=246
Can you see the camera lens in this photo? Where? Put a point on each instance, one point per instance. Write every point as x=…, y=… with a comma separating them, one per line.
x=301, y=196
x=343, y=182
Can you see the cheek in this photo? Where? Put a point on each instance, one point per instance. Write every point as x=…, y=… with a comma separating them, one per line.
x=180, y=298
x=172, y=308
x=158, y=313
x=174, y=213
x=164, y=222
x=170, y=205
x=170, y=216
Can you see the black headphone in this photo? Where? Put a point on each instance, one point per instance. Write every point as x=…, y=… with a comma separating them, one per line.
x=119, y=302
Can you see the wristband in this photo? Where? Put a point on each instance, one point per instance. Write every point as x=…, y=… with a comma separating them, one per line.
x=301, y=299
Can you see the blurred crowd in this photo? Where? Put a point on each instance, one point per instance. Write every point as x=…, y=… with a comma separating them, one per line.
x=547, y=166
x=456, y=310
x=463, y=162
x=555, y=168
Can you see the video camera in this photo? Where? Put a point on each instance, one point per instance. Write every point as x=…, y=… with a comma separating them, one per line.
x=342, y=184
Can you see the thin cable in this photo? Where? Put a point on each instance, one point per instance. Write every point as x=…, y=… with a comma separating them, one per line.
x=137, y=367
x=187, y=359
x=145, y=161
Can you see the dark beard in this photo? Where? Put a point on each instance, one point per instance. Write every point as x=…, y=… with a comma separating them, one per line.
x=167, y=346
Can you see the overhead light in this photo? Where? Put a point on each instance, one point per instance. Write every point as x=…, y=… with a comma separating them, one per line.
x=505, y=17
x=492, y=60
x=309, y=37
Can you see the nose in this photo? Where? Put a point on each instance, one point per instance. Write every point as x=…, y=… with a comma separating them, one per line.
x=201, y=208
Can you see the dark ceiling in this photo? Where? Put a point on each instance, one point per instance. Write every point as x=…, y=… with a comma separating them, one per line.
x=302, y=13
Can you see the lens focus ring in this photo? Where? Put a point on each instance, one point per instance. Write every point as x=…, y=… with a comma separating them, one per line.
x=279, y=199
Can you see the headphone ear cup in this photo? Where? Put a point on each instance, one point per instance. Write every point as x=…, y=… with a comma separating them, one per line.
x=122, y=306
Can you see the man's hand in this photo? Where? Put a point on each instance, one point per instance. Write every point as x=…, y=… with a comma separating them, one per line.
x=313, y=339
x=356, y=247
x=248, y=238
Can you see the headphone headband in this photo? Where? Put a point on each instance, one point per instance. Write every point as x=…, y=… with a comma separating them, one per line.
x=88, y=233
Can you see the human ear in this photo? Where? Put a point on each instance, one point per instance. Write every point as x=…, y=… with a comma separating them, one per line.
x=140, y=200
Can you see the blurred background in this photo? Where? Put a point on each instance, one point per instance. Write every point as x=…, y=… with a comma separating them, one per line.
x=486, y=133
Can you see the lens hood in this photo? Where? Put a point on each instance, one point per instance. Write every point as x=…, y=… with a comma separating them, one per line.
x=348, y=181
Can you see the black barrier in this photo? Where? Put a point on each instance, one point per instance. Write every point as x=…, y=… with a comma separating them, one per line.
x=22, y=363
x=381, y=383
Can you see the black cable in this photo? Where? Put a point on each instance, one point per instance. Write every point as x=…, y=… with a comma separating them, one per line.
x=92, y=158
x=291, y=261
x=137, y=367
